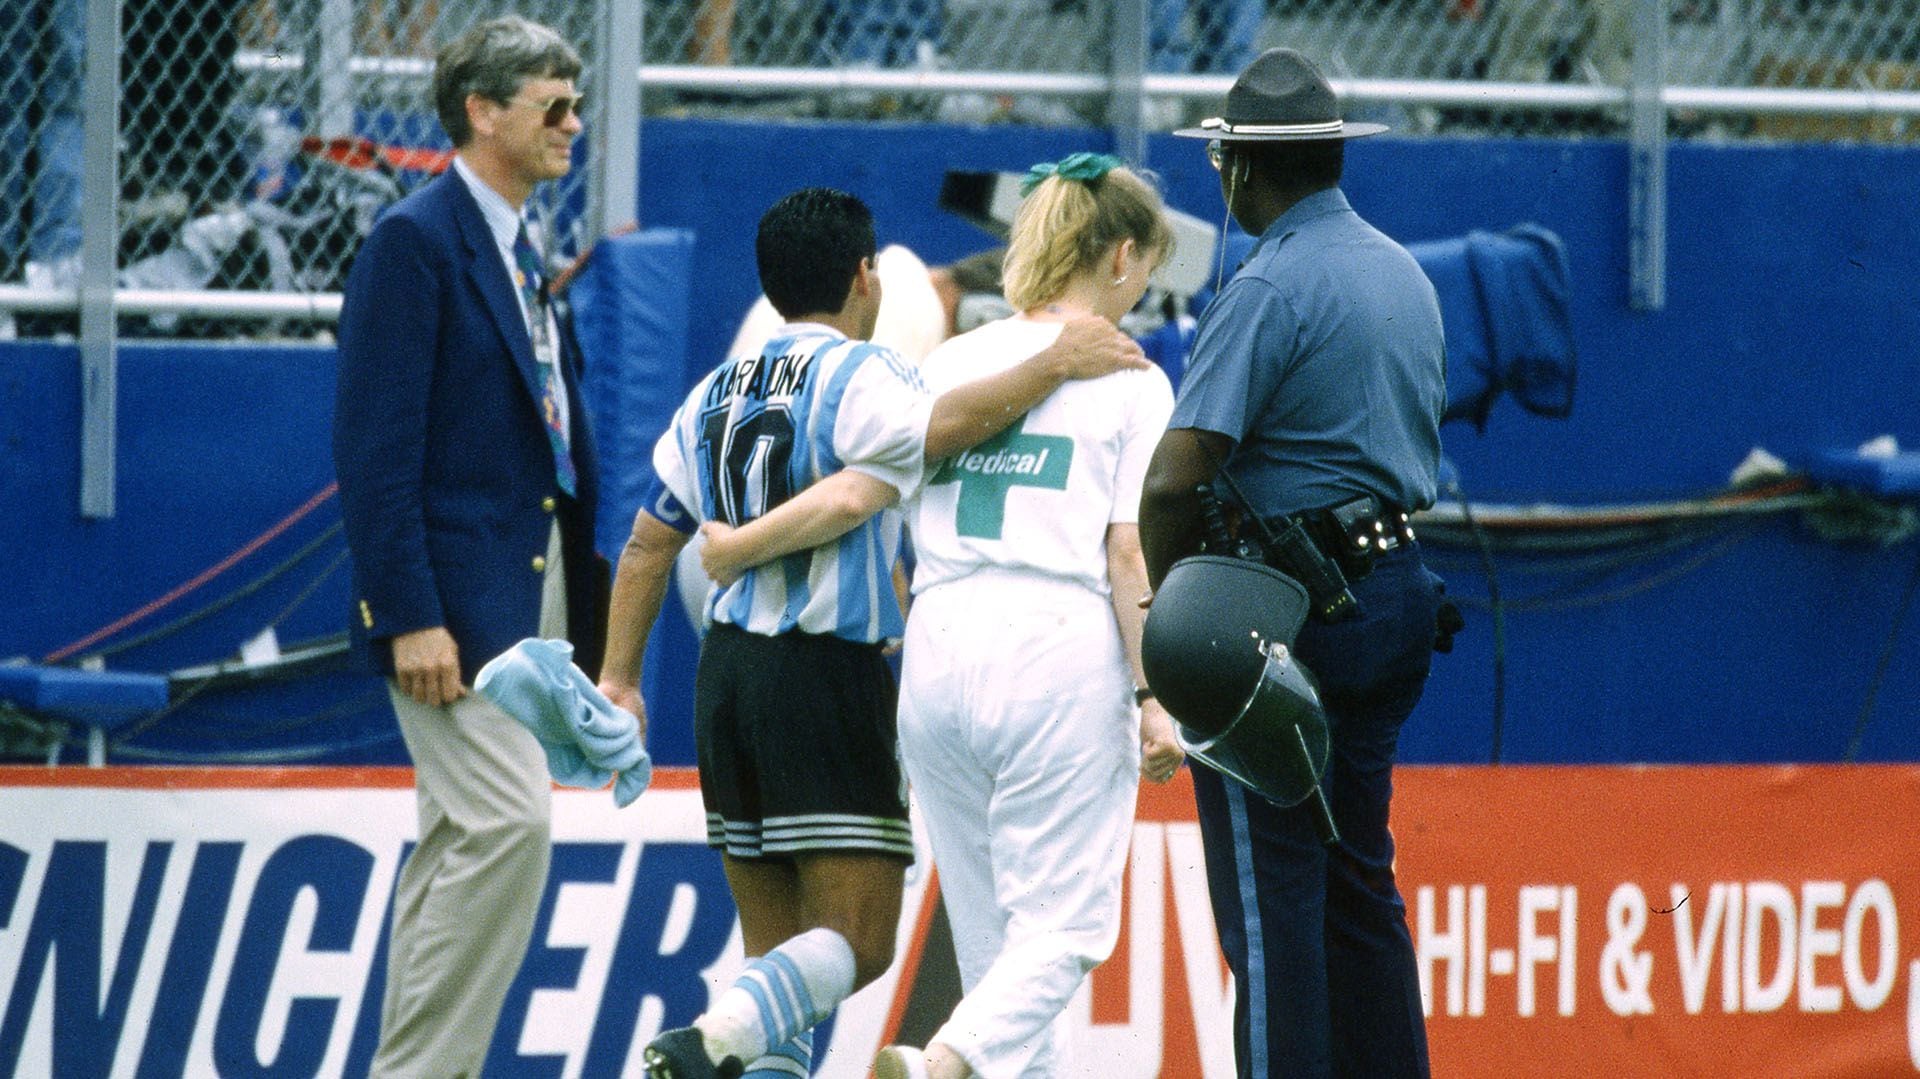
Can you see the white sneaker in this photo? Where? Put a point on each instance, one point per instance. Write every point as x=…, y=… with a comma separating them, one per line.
x=900, y=1062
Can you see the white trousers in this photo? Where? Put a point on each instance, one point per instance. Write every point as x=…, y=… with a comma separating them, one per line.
x=1018, y=734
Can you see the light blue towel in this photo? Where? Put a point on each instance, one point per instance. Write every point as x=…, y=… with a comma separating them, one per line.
x=588, y=739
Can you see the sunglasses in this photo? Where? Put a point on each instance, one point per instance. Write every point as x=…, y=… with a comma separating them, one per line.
x=554, y=112
x=1215, y=154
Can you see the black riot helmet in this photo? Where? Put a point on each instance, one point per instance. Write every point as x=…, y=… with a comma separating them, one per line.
x=1201, y=645
x=1217, y=651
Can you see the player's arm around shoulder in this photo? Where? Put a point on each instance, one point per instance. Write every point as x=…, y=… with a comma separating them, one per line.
x=974, y=411
x=1092, y=347
x=813, y=518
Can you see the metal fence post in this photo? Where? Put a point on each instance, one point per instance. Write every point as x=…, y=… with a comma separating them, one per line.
x=1647, y=159
x=99, y=257
x=1126, y=100
x=615, y=197
x=331, y=52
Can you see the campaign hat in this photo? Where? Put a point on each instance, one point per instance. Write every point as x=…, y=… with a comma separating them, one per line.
x=1280, y=97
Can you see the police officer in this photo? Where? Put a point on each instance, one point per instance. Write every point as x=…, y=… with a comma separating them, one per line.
x=1316, y=386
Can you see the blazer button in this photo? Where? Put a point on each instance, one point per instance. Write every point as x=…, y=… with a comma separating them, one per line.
x=539, y=563
x=547, y=503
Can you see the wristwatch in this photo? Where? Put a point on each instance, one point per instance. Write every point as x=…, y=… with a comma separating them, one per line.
x=1141, y=695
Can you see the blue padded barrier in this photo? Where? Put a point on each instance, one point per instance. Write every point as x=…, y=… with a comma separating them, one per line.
x=104, y=699
x=632, y=306
x=631, y=309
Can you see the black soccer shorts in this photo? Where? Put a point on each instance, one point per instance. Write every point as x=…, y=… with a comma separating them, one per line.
x=797, y=746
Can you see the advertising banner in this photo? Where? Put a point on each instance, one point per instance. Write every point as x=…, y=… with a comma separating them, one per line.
x=1569, y=921
x=1665, y=920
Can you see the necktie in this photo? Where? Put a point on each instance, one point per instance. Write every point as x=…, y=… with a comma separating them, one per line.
x=533, y=293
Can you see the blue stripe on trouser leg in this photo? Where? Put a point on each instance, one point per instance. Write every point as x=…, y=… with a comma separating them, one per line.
x=1255, y=985
x=1265, y=875
x=1340, y=980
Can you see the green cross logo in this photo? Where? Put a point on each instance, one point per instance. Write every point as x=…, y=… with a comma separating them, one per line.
x=988, y=471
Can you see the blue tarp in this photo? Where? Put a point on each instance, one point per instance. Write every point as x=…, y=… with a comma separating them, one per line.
x=1505, y=300
x=1506, y=304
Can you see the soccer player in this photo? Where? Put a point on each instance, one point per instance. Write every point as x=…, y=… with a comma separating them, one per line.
x=794, y=703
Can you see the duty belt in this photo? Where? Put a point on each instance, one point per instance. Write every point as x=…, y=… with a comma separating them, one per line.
x=1358, y=532
x=1326, y=548
x=1323, y=548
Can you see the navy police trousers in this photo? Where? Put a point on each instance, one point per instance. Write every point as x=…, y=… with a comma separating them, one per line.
x=1316, y=936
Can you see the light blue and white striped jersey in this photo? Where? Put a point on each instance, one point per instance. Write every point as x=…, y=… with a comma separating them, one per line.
x=765, y=426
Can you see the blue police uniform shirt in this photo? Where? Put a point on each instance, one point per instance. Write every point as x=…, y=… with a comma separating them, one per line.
x=1323, y=360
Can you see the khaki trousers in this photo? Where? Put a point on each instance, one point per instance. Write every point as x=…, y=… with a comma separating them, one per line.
x=464, y=906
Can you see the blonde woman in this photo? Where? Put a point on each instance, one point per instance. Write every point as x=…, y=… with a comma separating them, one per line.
x=1022, y=727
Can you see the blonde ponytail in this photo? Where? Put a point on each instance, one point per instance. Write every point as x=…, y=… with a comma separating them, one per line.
x=1071, y=220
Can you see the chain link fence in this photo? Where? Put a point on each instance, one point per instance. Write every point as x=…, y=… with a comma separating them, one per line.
x=257, y=138
x=40, y=134
x=1792, y=43
x=1856, y=45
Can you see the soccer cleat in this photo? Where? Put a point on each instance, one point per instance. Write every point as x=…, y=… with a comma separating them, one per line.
x=681, y=1053
x=900, y=1062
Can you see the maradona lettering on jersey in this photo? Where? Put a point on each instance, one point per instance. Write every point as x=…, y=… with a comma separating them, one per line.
x=758, y=378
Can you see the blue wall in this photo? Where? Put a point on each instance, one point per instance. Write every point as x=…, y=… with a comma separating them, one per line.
x=217, y=445
x=1790, y=324
x=1791, y=308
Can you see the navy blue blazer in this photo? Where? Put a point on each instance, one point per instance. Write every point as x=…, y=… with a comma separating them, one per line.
x=447, y=480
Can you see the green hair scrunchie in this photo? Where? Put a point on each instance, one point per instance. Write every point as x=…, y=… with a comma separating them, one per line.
x=1083, y=166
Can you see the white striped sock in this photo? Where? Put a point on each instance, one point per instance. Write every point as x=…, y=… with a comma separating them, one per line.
x=779, y=995
x=794, y=1059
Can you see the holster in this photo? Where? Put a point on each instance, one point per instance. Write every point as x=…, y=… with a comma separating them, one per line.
x=1326, y=549
x=1294, y=553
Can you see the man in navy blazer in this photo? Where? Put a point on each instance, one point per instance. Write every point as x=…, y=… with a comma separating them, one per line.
x=467, y=483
